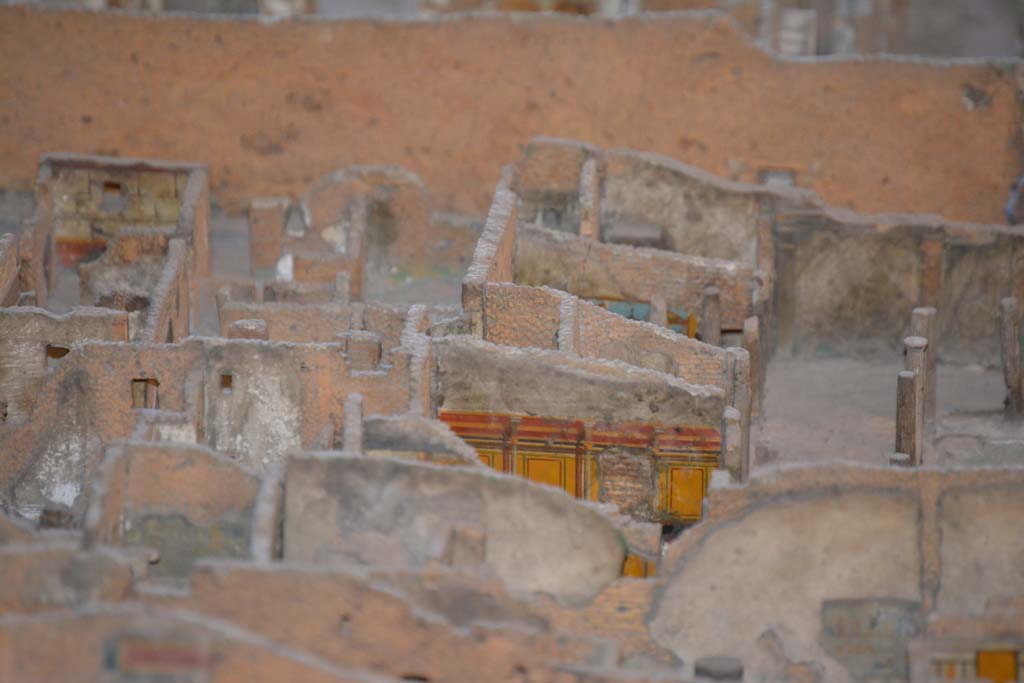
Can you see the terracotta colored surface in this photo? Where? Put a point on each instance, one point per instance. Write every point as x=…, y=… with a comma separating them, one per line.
x=273, y=107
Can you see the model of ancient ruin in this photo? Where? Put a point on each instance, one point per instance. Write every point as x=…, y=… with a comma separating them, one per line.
x=507, y=347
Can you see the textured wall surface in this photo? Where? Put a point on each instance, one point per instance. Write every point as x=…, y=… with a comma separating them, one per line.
x=273, y=107
x=591, y=269
x=472, y=375
x=391, y=513
x=781, y=554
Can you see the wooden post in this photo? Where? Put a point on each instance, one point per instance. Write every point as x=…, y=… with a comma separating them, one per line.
x=906, y=412
x=1009, y=319
x=916, y=363
x=711, y=316
x=923, y=323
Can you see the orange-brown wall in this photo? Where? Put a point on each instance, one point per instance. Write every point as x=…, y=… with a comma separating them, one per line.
x=273, y=107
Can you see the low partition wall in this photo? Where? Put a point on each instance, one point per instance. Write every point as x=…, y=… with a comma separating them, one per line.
x=595, y=270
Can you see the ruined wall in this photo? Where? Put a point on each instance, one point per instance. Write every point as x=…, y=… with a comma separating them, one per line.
x=631, y=197
x=385, y=622
x=194, y=225
x=289, y=322
x=32, y=340
x=86, y=401
x=620, y=611
x=93, y=201
x=472, y=375
x=696, y=218
x=282, y=398
x=185, y=502
x=516, y=315
x=377, y=216
x=845, y=284
x=52, y=574
x=495, y=252
x=955, y=639
x=14, y=530
x=415, y=437
x=387, y=322
x=392, y=513
x=543, y=318
x=122, y=211
x=34, y=244
x=982, y=556
x=116, y=642
x=603, y=334
x=246, y=398
x=320, y=322
x=169, y=308
x=591, y=269
x=321, y=95
x=547, y=185
x=875, y=549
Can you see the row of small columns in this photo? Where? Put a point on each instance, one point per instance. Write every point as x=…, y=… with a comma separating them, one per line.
x=916, y=390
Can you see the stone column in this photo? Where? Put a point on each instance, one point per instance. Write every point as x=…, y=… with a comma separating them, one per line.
x=916, y=348
x=590, y=200
x=923, y=323
x=711, y=317
x=659, y=311
x=732, y=438
x=352, y=440
x=1009, y=319
x=752, y=343
x=740, y=399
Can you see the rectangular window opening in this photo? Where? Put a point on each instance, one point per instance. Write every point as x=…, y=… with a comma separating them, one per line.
x=144, y=393
x=227, y=382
